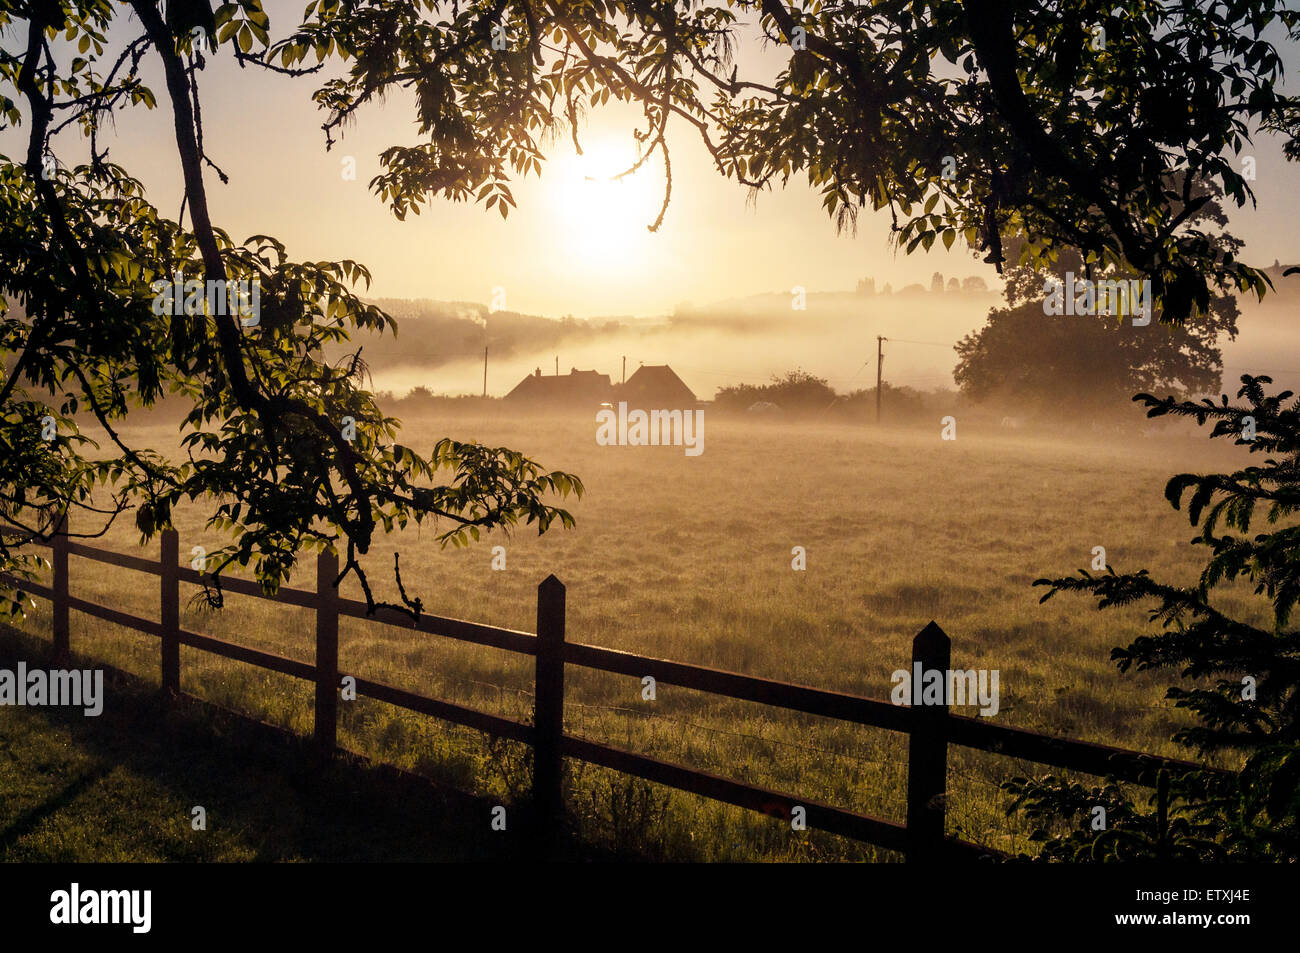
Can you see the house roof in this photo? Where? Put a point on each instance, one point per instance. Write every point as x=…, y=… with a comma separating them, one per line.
x=656, y=384
x=651, y=385
x=573, y=387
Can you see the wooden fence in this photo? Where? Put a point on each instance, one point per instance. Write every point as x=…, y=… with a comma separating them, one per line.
x=931, y=728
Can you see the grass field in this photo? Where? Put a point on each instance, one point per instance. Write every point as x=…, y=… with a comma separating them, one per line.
x=123, y=787
x=689, y=558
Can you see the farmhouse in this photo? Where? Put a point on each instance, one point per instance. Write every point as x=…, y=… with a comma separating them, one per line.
x=651, y=386
x=655, y=385
x=576, y=388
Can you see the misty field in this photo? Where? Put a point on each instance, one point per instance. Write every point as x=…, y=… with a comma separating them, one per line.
x=689, y=558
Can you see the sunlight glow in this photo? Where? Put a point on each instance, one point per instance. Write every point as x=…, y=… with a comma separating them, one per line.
x=601, y=223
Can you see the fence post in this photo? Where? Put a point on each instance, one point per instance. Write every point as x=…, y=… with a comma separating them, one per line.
x=548, y=713
x=169, y=578
x=927, y=751
x=59, y=604
x=327, y=652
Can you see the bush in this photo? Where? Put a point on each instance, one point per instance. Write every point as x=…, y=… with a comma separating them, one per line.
x=797, y=392
x=1240, y=680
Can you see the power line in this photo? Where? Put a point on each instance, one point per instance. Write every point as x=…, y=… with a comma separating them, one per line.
x=931, y=343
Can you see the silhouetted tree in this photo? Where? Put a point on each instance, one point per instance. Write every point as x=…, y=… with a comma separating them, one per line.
x=1238, y=677
x=1078, y=364
x=286, y=448
x=1093, y=362
x=1046, y=134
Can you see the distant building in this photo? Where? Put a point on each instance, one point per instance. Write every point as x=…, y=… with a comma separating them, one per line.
x=574, y=388
x=652, y=386
x=655, y=386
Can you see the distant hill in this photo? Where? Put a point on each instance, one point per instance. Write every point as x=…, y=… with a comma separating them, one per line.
x=435, y=333
x=446, y=338
x=766, y=312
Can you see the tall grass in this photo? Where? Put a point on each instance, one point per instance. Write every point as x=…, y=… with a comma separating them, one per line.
x=690, y=559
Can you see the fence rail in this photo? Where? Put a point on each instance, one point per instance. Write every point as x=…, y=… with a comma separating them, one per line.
x=930, y=728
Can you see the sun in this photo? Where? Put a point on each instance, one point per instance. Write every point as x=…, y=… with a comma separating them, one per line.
x=600, y=220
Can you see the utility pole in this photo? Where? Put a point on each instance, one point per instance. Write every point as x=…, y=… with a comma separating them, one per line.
x=880, y=362
x=624, y=368
x=557, y=365
x=484, y=370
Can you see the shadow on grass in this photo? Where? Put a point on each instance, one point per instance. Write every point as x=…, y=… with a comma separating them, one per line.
x=121, y=786
x=31, y=820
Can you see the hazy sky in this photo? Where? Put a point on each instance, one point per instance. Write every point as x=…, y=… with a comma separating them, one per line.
x=572, y=246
